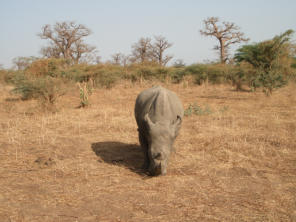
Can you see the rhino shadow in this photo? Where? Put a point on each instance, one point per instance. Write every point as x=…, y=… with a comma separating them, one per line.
x=121, y=154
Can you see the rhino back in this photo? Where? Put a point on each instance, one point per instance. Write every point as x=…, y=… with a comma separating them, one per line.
x=161, y=105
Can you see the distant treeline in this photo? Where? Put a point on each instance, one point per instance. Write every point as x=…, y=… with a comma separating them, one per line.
x=268, y=65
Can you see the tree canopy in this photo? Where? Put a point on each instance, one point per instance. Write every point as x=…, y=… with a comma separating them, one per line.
x=66, y=40
x=227, y=34
x=266, y=54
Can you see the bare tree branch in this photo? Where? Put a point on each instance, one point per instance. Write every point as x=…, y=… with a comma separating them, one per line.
x=158, y=48
x=66, y=40
x=227, y=35
x=142, y=51
x=22, y=63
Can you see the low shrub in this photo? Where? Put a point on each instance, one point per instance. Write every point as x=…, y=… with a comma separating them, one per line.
x=212, y=73
x=46, y=89
x=271, y=80
x=13, y=77
x=106, y=79
x=177, y=74
x=47, y=67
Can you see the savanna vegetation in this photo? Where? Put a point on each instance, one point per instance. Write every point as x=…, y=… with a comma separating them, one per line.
x=68, y=139
x=68, y=59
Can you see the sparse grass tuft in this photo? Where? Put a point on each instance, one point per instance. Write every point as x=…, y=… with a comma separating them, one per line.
x=197, y=110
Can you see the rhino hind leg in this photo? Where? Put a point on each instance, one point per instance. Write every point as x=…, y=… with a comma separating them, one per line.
x=144, y=145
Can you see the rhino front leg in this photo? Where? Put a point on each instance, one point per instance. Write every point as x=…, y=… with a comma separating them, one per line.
x=144, y=145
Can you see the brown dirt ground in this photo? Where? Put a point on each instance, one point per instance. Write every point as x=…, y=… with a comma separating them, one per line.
x=236, y=164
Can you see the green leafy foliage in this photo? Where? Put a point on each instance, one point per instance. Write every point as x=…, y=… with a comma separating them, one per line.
x=46, y=89
x=270, y=60
x=271, y=80
x=265, y=55
x=212, y=73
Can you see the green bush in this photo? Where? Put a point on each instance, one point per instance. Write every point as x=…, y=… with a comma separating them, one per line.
x=271, y=80
x=107, y=75
x=13, y=77
x=47, y=67
x=213, y=73
x=177, y=74
x=102, y=75
x=46, y=89
x=152, y=73
x=145, y=72
x=106, y=79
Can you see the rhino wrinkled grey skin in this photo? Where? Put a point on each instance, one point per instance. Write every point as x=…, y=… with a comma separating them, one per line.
x=159, y=113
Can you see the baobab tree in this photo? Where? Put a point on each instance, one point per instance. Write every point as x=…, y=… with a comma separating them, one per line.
x=51, y=51
x=142, y=51
x=66, y=41
x=21, y=63
x=158, y=48
x=227, y=34
x=82, y=52
x=117, y=58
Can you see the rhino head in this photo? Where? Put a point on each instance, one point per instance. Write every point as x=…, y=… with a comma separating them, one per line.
x=161, y=138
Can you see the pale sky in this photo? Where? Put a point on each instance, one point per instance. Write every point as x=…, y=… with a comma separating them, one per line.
x=117, y=24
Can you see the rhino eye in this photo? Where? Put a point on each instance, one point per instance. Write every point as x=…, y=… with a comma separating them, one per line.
x=157, y=156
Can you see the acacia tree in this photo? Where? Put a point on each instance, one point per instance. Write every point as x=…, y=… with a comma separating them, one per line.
x=267, y=55
x=227, y=34
x=269, y=59
x=66, y=41
x=158, y=48
x=142, y=51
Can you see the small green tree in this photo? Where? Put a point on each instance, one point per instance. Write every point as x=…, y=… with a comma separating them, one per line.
x=271, y=80
x=266, y=58
x=266, y=54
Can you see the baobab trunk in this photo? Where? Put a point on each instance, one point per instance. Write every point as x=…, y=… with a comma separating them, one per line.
x=222, y=51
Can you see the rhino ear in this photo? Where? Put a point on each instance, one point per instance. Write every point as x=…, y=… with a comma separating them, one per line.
x=176, y=125
x=177, y=122
x=148, y=121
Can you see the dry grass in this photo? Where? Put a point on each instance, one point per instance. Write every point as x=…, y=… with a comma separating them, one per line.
x=236, y=164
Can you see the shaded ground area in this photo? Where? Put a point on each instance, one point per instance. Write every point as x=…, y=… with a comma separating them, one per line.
x=121, y=154
x=235, y=163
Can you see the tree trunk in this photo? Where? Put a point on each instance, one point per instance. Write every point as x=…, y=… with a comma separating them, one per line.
x=160, y=58
x=222, y=51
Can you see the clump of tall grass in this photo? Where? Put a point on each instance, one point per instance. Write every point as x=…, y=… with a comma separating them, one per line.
x=85, y=91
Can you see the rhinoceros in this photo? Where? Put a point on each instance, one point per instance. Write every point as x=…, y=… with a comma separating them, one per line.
x=159, y=113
